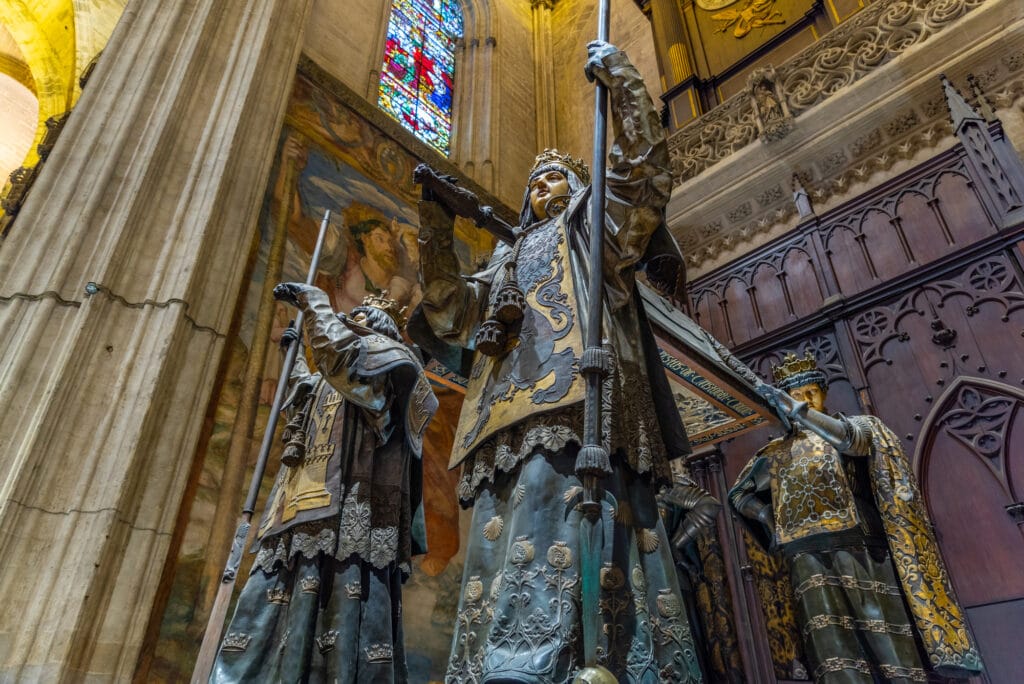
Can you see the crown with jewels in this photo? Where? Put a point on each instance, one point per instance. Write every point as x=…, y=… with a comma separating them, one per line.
x=796, y=371
x=388, y=306
x=552, y=156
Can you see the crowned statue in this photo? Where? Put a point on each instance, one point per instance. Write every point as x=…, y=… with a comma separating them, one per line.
x=521, y=323
x=837, y=498
x=323, y=602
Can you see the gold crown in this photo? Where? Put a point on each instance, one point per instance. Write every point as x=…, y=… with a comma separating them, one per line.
x=793, y=365
x=388, y=306
x=552, y=156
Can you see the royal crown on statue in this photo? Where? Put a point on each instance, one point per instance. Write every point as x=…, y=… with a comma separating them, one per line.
x=796, y=371
x=388, y=306
x=552, y=156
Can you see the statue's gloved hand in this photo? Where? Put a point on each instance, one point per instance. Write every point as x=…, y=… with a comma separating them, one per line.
x=595, y=69
x=290, y=334
x=289, y=293
x=686, y=554
x=784, y=405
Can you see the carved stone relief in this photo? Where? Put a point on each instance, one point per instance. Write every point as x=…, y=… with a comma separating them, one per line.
x=871, y=39
x=770, y=108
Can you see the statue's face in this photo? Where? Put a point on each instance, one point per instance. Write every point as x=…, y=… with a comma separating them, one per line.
x=814, y=394
x=545, y=186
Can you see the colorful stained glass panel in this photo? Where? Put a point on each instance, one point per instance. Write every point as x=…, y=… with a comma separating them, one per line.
x=419, y=67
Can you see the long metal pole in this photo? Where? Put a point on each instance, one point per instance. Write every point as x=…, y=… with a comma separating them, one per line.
x=211, y=638
x=593, y=462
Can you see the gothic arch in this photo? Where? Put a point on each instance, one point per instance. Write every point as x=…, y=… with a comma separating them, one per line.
x=971, y=449
x=950, y=405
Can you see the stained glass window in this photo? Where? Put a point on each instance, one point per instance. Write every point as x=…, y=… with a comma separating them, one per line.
x=419, y=67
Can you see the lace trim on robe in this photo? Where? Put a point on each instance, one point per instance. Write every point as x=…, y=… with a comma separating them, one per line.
x=549, y=433
x=377, y=546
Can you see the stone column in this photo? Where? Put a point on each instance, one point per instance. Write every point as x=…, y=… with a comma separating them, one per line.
x=543, y=73
x=670, y=41
x=117, y=285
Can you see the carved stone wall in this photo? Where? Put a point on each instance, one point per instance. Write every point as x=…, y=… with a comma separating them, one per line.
x=866, y=105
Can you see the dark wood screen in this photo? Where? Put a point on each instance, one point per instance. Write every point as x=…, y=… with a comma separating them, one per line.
x=911, y=297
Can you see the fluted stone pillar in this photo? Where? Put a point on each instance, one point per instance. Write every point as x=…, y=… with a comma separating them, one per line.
x=117, y=285
x=670, y=41
x=543, y=72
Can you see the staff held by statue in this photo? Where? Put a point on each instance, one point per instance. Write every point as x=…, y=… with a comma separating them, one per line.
x=211, y=638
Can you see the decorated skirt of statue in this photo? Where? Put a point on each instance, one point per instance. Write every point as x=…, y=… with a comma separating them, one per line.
x=323, y=602
x=873, y=598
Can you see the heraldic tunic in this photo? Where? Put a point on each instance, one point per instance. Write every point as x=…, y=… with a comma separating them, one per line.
x=519, y=611
x=323, y=600
x=841, y=521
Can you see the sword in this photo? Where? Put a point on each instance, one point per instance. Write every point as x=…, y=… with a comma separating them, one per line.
x=211, y=638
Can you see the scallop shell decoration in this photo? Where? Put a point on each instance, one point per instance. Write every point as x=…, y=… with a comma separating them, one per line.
x=518, y=494
x=493, y=528
x=647, y=540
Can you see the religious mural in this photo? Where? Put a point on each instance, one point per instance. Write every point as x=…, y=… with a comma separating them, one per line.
x=330, y=158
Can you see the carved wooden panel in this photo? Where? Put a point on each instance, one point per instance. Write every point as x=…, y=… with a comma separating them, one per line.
x=764, y=295
x=970, y=467
x=709, y=312
x=912, y=347
x=866, y=244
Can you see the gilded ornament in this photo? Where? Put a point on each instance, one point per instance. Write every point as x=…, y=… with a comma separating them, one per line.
x=668, y=604
x=354, y=590
x=278, y=596
x=612, y=578
x=474, y=589
x=713, y=5
x=493, y=528
x=647, y=540
x=309, y=585
x=560, y=555
x=594, y=675
x=522, y=551
x=754, y=14
x=496, y=586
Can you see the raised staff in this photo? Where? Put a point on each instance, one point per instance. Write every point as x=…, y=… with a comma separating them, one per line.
x=215, y=624
x=556, y=583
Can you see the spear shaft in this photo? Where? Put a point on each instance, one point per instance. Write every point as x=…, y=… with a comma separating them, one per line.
x=211, y=638
x=593, y=461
